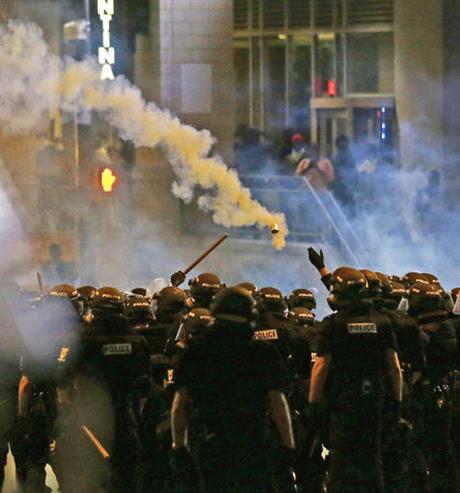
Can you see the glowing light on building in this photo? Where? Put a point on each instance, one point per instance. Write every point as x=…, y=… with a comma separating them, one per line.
x=106, y=52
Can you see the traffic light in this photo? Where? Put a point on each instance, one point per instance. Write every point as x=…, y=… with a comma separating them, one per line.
x=108, y=180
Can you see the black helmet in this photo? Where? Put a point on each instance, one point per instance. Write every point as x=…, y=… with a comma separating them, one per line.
x=301, y=297
x=424, y=297
x=138, y=307
x=108, y=300
x=385, y=284
x=197, y=323
x=398, y=291
x=395, y=278
x=347, y=286
x=252, y=288
x=412, y=278
x=270, y=300
x=235, y=305
x=205, y=286
x=170, y=300
x=86, y=293
x=64, y=291
x=141, y=292
x=432, y=279
x=302, y=316
x=373, y=281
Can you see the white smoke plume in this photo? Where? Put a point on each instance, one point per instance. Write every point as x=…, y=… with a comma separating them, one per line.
x=34, y=82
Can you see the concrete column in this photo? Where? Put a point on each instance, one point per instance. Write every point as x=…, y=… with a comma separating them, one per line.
x=196, y=39
x=419, y=75
x=451, y=103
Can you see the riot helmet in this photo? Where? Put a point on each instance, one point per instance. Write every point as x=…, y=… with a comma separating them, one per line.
x=234, y=306
x=424, y=297
x=302, y=316
x=412, y=278
x=301, y=298
x=348, y=286
x=270, y=300
x=138, y=312
x=385, y=284
x=107, y=306
x=197, y=324
x=374, y=283
x=204, y=287
x=249, y=286
x=170, y=300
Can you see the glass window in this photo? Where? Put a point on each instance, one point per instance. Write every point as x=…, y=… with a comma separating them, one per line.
x=300, y=81
x=274, y=82
x=242, y=87
x=324, y=63
x=370, y=67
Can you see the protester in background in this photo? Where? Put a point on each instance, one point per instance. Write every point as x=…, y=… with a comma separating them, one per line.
x=298, y=152
x=320, y=173
x=428, y=205
x=252, y=155
x=285, y=145
x=346, y=178
x=56, y=270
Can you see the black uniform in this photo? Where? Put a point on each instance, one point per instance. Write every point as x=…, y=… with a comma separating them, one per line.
x=356, y=338
x=51, y=332
x=228, y=380
x=434, y=399
x=120, y=359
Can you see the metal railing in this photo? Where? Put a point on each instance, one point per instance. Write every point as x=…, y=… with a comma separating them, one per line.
x=312, y=216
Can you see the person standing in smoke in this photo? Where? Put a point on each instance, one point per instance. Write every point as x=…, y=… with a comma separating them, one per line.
x=346, y=178
x=428, y=206
x=251, y=154
x=57, y=270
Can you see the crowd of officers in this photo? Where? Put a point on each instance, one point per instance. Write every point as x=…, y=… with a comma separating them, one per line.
x=216, y=389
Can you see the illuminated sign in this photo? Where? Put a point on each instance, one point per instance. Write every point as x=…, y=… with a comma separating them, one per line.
x=106, y=52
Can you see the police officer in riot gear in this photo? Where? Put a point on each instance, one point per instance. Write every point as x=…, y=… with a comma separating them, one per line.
x=52, y=339
x=203, y=288
x=86, y=294
x=120, y=359
x=433, y=392
x=274, y=328
x=169, y=306
x=356, y=351
x=402, y=462
x=225, y=386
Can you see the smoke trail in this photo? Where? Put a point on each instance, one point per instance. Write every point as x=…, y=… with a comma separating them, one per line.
x=29, y=77
x=41, y=77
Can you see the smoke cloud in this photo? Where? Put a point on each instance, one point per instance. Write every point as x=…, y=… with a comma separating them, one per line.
x=34, y=82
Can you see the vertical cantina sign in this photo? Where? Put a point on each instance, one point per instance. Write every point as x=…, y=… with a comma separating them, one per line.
x=106, y=52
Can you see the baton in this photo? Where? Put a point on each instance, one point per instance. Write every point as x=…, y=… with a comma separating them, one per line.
x=97, y=444
x=40, y=283
x=205, y=254
x=179, y=277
